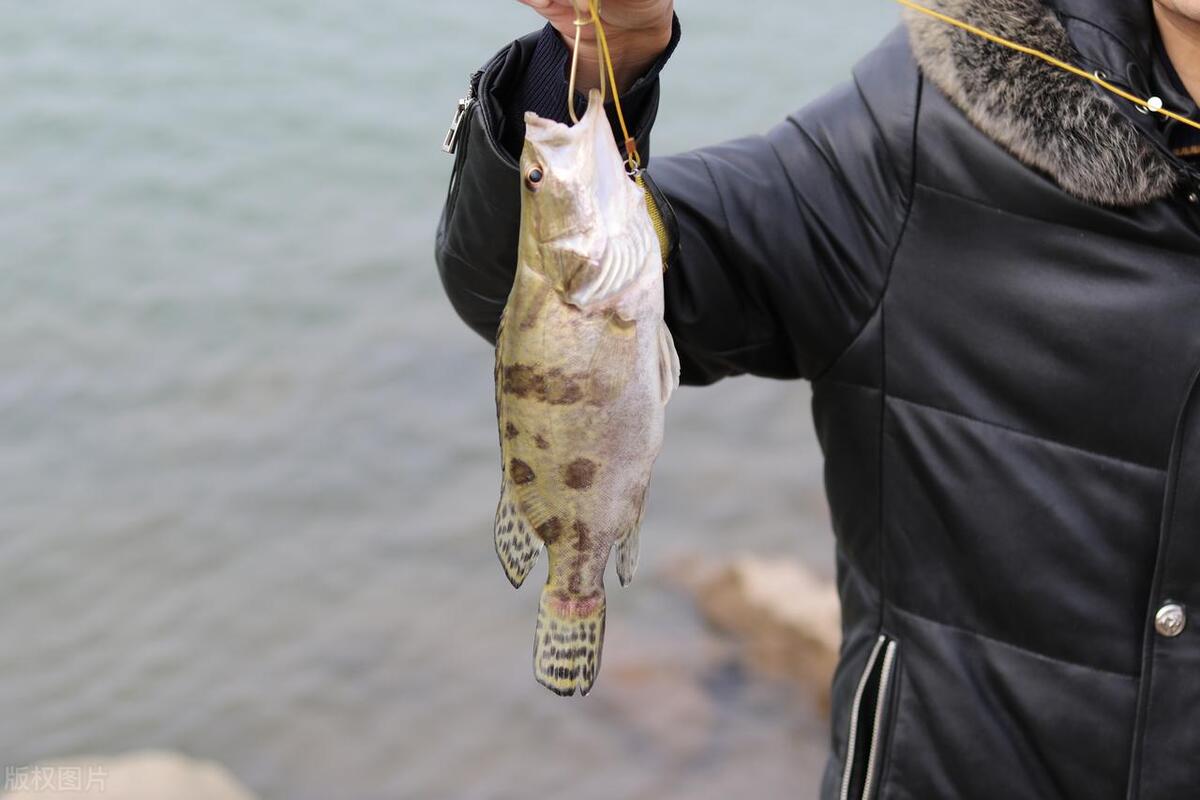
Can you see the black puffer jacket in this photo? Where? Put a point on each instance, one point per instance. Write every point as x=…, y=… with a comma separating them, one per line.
x=990, y=271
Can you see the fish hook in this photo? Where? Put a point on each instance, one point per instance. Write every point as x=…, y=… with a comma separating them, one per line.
x=582, y=22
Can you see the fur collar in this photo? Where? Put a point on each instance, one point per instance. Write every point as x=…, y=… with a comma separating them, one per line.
x=1050, y=120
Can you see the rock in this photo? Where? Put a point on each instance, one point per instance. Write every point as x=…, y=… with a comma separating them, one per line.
x=137, y=776
x=787, y=617
x=660, y=708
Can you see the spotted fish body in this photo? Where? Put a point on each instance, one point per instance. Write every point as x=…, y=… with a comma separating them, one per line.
x=584, y=368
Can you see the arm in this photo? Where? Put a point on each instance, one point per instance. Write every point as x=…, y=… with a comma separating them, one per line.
x=785, y=240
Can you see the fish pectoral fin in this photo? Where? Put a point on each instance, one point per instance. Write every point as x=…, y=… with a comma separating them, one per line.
x=568, y=640
x=627, y=554
x=516, y=545
x=668, y=362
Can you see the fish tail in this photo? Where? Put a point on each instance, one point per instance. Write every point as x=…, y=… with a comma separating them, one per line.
x=570, y=636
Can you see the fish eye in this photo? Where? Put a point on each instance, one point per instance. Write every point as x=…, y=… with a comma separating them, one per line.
x=534, y=177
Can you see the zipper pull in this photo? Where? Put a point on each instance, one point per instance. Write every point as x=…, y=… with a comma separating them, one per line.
x=451, y=141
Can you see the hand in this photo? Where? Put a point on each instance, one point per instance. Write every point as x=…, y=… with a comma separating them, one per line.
x=637, y=31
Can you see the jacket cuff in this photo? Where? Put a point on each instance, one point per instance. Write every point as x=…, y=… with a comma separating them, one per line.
x=542, y=86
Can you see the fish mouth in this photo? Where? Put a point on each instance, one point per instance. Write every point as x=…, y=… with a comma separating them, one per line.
x=552, y=132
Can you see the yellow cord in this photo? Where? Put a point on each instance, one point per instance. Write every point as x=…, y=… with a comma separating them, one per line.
x=633, y=160
x=1063, y=65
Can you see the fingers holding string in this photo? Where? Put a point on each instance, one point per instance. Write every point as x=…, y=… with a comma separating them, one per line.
x=560, y=13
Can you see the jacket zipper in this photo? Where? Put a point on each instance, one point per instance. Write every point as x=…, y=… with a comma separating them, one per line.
x=886, y=662
x=885, y=672
x=455, y=141
x=450, y=142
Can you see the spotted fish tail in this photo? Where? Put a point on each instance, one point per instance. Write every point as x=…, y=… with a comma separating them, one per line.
x=570, y=636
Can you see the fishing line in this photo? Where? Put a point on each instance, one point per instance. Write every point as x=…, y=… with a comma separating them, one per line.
x=1154, y=104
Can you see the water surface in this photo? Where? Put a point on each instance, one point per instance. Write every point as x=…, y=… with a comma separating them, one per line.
x=248, y=454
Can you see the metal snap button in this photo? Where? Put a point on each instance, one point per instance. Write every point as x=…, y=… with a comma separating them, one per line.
x=1152, y=104
x=1170, y=620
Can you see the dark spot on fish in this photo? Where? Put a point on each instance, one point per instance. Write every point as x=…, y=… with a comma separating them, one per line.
x=565, y=393
x=550, y=530
x=575, y=577
x=510, y=431
x=535, y=306
x=582, y=535
x=580, y=473
x=522, y=380
x=541, y=442
x=552, y=386
x=521, y=472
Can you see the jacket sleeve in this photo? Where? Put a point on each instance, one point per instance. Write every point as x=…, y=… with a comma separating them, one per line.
x=784, y=240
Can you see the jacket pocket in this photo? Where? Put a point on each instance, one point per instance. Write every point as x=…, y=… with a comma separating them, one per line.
x=869, y=721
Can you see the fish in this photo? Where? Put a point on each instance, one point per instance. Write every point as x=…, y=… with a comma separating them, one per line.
x=585, y=366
